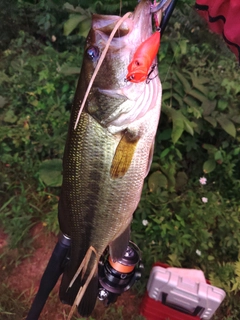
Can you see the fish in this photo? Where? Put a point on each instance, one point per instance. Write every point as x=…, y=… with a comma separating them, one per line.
x=107, y=154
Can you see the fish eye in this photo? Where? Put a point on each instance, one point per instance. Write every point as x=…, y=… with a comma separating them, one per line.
x=93, y=52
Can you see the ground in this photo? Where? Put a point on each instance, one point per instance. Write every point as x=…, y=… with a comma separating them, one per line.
x=24, y=280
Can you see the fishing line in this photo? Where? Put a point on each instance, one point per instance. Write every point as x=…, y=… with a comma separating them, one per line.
x=120, y=8
x=120, y=13
x=100, y=61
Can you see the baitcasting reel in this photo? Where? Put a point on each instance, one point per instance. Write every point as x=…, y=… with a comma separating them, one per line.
x=116, y=277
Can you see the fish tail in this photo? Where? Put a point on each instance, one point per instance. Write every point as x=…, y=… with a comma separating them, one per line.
x=89, y=298
x=81, y=290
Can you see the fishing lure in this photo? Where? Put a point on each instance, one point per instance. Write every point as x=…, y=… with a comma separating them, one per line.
x=141, y=65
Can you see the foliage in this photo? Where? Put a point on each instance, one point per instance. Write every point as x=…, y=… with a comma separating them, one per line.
x=36, y=94
x=37, y=85
x=179, y=220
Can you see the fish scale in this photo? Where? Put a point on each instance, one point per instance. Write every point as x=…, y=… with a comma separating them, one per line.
x=107, y=157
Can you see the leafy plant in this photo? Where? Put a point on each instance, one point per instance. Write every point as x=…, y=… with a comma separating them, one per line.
x=35, y=92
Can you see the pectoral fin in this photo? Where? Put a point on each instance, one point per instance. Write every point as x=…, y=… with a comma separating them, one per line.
x=123, y=155
x=150, y=159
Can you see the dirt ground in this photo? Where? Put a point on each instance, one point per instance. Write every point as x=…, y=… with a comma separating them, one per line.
x=25, y=279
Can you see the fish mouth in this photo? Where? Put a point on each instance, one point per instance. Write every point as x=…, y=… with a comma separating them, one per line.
x=137, y=28
x=134, y=29
x=142, y=18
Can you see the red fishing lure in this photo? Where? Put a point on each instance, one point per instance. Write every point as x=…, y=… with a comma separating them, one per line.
x=141, y=65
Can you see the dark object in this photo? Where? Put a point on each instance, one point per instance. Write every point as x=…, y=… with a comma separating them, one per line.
x=116, y=277
x=223, y=18
x=50, y=277
x=167, y=15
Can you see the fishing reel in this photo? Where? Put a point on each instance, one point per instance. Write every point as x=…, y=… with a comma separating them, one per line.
x=116, y=277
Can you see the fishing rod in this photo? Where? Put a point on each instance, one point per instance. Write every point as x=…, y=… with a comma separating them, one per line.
x=53, y=271
x=167, y=15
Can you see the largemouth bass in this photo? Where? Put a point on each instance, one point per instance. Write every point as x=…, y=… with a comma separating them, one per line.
x=109, y=153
